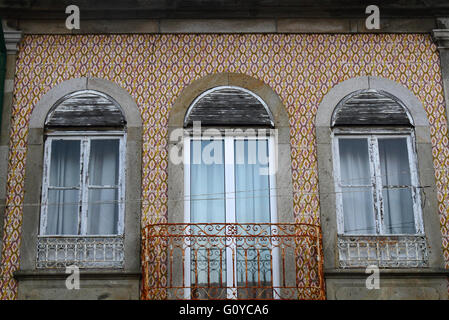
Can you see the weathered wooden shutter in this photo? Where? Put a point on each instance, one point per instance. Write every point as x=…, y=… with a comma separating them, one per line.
x=370, y=107
x=85, y=109
x=229, y=106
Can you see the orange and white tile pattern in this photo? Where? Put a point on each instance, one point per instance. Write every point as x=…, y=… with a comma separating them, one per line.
x=154, y=69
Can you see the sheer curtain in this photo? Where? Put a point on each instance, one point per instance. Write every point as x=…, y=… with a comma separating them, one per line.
x=207, y=187
x=63, y=190
x=396, y=183
x=103, y=187
x=252, y=189
x=357, y=194
x=207, y=205
x=252, y=205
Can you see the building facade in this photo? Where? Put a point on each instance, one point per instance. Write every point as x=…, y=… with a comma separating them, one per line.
x=102, y=128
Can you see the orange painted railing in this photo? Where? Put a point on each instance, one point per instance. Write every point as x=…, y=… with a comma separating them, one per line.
x=232, y=261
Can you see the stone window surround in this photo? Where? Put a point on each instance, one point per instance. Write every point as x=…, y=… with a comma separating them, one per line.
x=326, y=175
x=281, y=124
x=34, y=171
x=272, y=100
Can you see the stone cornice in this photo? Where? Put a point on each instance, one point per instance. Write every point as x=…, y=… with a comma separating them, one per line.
x=12, y=38
x=441, y=38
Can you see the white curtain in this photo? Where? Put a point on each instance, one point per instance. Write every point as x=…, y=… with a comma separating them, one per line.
x=63, y=190
x=252, y=189
x=207, y=187
x=355, y=177
x=396, y=180
x=103, y=187
x=252, y=203
x=207, y=205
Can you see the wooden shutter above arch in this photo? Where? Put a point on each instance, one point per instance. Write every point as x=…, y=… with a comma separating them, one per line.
x=370, y=107
x=85, y=109
x=229, y=106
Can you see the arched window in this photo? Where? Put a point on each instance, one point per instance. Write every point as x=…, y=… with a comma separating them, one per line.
x=83, y=168
x=83, y=189
x=229, y=150
x=377, y=189
x=229, y=179
x=376, y=179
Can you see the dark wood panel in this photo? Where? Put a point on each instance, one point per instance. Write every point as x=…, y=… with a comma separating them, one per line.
x=86, y=109
x=370, y=107
x=229, y=107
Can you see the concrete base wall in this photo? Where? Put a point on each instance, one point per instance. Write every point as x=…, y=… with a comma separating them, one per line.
x=100, y=286
x=393, y=286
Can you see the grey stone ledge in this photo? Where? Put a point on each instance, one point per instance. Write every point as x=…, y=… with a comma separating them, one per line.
x=227, y=25
x=390, y=273
x=217, y=26
x=441, y=37
x=12, y=38
x=85, y=274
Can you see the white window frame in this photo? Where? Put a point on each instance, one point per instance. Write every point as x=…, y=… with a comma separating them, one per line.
x=85, y=138
x=230, y=208
x=372, y=136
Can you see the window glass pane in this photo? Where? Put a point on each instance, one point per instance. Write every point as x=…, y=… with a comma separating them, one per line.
x=354, y=162
x=104, y=162
x=252, y=184
x=207, y=188
x=207, y=205
x=102, y=211
x=398, y=211
x=62, y=214
x=252, y=205
x=358, y=206
x=394, y=164
x=65, y=163
x=396, y=181
x=358, y=210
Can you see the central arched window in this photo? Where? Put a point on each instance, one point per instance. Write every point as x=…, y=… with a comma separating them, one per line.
x=229, y=165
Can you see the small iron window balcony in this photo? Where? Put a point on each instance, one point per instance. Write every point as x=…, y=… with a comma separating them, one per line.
x=392, y=251
x=82, y=251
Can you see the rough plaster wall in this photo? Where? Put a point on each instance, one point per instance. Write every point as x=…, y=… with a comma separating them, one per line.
x=155, y=68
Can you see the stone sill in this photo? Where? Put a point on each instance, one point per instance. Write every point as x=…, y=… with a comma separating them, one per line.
x=388, y=273
x=85, y=274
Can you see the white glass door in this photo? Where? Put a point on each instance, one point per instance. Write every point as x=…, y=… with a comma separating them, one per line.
x=229, y=180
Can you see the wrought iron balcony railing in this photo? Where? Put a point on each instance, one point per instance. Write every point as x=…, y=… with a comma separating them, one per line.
x=232, y=261
x=82, y=251
x=392, y=251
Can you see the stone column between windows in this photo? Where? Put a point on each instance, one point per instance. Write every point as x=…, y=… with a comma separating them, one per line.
x=441, y=38
x=12, y=39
